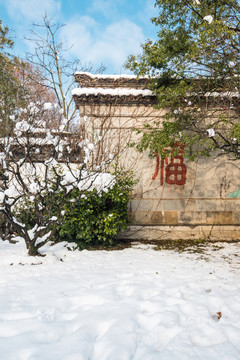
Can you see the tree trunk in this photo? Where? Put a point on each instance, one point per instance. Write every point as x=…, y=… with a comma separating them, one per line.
x=32, y=249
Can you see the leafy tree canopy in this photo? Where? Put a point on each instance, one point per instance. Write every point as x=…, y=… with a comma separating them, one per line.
x=195, y=69
x=4, y=41
x=11, y=90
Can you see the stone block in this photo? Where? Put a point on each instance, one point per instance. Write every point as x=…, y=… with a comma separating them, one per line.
x=156, y=217
x=170, y=217
x=140, y=217
x=164, y=232
x=236, y=217
x=147, y=217
x=192, y=217
x=219, y=217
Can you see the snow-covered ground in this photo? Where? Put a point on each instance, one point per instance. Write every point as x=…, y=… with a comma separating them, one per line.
x=135, y=303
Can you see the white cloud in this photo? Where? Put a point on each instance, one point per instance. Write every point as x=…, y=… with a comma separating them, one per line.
x=110, y=45
x=106, y=7
x=79, y=34
x=32, y=9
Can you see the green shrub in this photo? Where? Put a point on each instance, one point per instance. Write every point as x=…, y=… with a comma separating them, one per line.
x=89, y=218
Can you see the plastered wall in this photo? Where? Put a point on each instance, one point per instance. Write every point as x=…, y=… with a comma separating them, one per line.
x=174, y=198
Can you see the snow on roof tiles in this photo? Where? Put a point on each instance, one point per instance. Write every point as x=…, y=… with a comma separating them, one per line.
x=106, y=76
x=112, y=92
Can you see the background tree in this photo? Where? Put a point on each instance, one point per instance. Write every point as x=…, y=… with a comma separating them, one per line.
x=11, y=90
x=195, y=69
x=51, y=57
x=22, y=90
x=39, y=95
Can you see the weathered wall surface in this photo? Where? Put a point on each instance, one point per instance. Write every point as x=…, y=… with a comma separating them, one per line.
x=174, y=198
x=206, y=205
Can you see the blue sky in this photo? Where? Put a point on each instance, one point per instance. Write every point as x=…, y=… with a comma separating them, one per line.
x=100, y=31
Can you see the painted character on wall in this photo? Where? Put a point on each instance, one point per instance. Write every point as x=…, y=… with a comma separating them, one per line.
x=174, y=172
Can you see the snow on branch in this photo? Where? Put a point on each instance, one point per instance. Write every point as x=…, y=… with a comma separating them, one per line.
x=36, y=167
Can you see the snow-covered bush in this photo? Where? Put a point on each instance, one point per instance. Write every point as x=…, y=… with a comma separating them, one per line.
x=37, y=164
x=90, y=217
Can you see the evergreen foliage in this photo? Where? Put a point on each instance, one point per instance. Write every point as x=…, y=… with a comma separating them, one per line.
x=88, y=218
x=195, y=69
x=11, y=91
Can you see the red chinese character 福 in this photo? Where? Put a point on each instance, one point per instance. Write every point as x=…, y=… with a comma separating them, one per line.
x=175, y=171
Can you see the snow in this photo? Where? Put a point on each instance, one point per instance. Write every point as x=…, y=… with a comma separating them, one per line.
x=47, y=106
x=12, y=192
x=43, y=238
x=208, y=18
x=211, y=132
x=136, y=303
x=102, y=182
x=2, y=197
x=112, y=92
x=34, y=188
x=22, y=126
x=87, y=181
x=223, y=94
x=106, y=76
x=231, y=64
x=90, y=146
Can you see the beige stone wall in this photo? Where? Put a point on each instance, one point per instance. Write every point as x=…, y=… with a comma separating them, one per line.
x=200, y=208
x=202, y=200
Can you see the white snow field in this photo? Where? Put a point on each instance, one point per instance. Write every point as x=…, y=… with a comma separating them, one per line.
x=132, y=304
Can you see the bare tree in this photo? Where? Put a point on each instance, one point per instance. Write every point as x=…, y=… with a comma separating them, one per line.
x=37, y=95
x=51, y=58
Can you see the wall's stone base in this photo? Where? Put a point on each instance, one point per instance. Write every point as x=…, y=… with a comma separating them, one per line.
x=198, y=232
x=191, y=218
